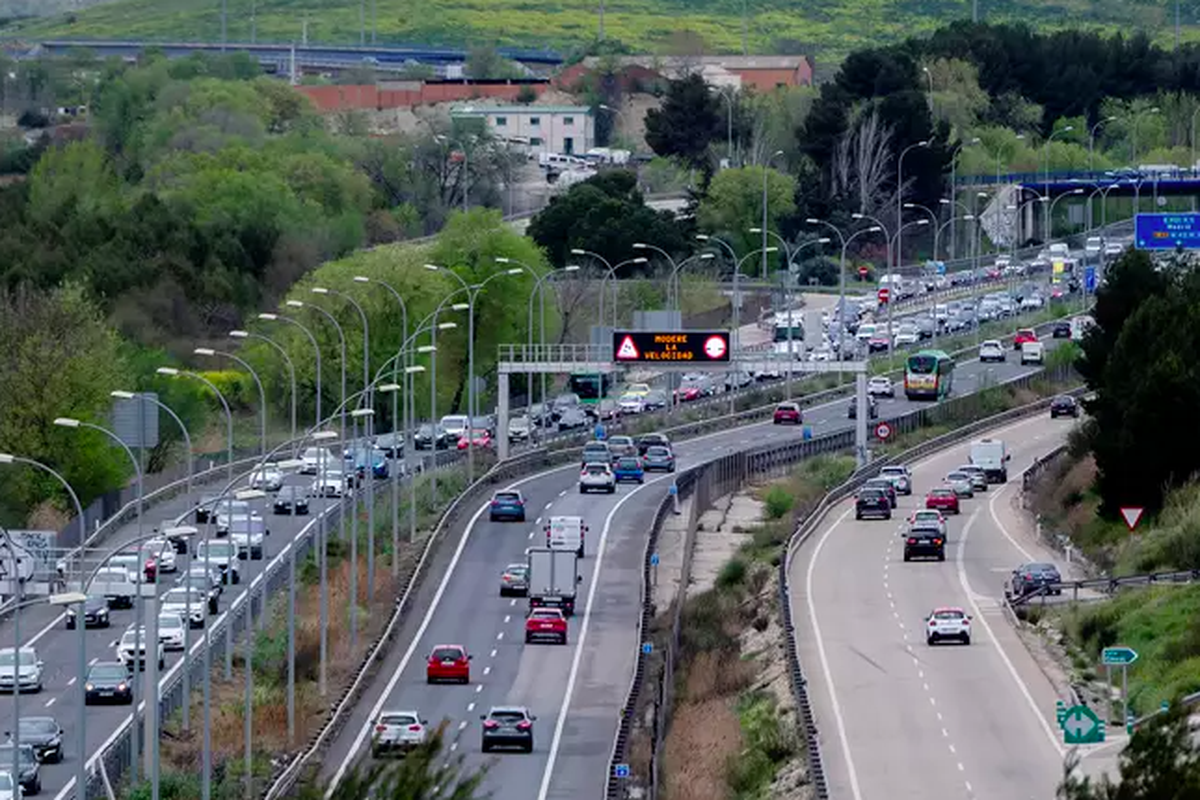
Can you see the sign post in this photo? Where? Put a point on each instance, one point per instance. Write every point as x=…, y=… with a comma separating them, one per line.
x=1119, y=657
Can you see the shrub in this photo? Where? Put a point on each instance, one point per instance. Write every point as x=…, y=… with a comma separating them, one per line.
x=778, y=502
x=732, y=574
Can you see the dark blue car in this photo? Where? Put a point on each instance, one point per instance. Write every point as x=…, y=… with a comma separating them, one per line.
x=377, y=459
x=629, y=468
x=507, y=505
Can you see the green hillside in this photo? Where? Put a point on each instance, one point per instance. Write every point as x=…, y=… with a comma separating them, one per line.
x=826, y=29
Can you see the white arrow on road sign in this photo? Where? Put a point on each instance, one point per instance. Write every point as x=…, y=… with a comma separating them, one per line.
x=1078, y=725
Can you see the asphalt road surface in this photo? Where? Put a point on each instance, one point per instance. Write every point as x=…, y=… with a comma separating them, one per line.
x=575, y=691
x=901, y=719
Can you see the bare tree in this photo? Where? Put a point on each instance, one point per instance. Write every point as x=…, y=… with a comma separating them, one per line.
x=576, y=297
x=872, y=155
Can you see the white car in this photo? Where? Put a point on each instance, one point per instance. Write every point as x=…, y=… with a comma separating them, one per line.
x=171, y=633
x=1113, y=249
x=900, y=478
x=176, y=602
x=979, y=481
x=269, y=480
x=1033, y=353
x=132, y=650
x=906, y=335
x=961, y=483
x=163, y=553
x=27, y=675
x=314, y=458
x=632, y=403
x=1032, y=302
x=947, y=623
x=881, y=386
x=992, y=350
x=398, y=731
x=597, y=477
x=928, y=519
x=331, y=483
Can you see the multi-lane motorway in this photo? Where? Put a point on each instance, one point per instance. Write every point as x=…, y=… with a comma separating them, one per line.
x=901, y=719
x=574, y=691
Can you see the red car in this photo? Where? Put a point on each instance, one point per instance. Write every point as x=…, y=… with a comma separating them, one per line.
x=1024, y=335
x=943, y=499
x=788, y=413
x=545, y=623
x=685, y=394
x=448, y=662
x=478, y=438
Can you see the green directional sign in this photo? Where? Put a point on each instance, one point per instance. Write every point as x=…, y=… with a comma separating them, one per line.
x=1119, y=656
x=1082, y=726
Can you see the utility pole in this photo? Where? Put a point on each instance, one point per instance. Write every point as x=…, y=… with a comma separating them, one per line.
x=975, y=11
x=600, y=33
x=745, y=28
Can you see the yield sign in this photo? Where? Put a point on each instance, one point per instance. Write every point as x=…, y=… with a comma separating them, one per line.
x=628, y=350
x=1132, y=515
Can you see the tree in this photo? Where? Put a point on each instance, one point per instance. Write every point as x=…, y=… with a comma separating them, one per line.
x=425, y=773
x=1160, y=762
x=686, y=123
x=484, y=63
x=605, y=214
x=734, y=205
x=59, y=360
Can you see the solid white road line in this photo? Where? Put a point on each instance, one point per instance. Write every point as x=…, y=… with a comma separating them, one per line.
x=1000, y=525
x=816, y=626
x=982, y=620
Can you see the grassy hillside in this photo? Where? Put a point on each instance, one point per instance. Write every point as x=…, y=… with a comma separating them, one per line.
x=825, y=28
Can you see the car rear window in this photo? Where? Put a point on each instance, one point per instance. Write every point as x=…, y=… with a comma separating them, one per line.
x=948, y=615
x=507, y=497
x=658, y=451
x=596, y=469
x=507, y=716
x=629, y=463
x=941, y=493
x=397, y=719
x=444, y=653
x=788, y=407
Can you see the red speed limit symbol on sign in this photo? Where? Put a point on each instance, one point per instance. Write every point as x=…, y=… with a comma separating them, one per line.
x=883, y=430
x=884, y=294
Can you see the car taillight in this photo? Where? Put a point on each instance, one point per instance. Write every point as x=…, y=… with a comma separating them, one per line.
x=937, y=541
x=380, y=728
x=1029, y=577
x=524, y=725
x=912, y=541
x=121, y=687
x=933, y=623
x=490, y=724
x=414, y=728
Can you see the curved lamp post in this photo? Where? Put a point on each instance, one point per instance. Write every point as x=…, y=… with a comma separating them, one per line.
x=316, y=350
x=287, y=360
x=262, y=395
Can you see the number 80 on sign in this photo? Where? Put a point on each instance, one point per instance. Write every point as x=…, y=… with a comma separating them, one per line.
x=883, y=431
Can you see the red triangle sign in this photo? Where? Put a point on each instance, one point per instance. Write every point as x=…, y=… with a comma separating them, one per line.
x=628, y=350
x=1132, y=515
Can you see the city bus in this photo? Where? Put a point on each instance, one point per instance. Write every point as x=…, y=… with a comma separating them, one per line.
x=928, y=375
x=591, y=387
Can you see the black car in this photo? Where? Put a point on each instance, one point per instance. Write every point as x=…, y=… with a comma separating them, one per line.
x=884, y=485
x=510, y=726
x=922, y=542
x=872, y=502
x=572, y=417
x=392, y=444
x=1037, y=577
x=95, y=614
x=205, y=587
x=291, y=500
x=44, y=735
x=1064, y=406
x=205, y=508
x=872, y=408
x=1061, y=330
x=179, y=541
x=649, y=440
x=428, y=436
x=108, y=682
x=31, y=769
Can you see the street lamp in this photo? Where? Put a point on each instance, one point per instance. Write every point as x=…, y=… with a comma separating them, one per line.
x=787, y=249
x=316, y=350
x=957, y=149
x=899, y=246
x=187, y=440
x=1092, y=141
x=612, y=274
x=1137, y=118
x=673, y=278
x=287, y=360
x=576, y=251
x=538, y=290
x=1046, y=173
x=900, y=188
x=1054, y=202
x=763, y=229
x=172, y=372
x=262, y=395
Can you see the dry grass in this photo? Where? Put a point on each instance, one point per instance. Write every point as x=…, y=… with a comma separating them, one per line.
x=704, y=736
x=182, y=751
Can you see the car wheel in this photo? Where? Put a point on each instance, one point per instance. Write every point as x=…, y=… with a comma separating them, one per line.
x=966, y=639
x=929, y=641
x=907, y=557
x=888, y=515
x=493, y=518
x=529, y=747
x=942, y=556
x=161, y=664
x=528, y=639
x=485, y=747
x=857, y=515
x=70, y=624
x=521, y=518
x=36, y=788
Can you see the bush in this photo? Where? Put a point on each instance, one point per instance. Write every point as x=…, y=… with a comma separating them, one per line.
x=732, y=574
x=778, y=502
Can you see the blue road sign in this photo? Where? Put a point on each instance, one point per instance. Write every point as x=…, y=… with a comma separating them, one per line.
x=1089, y=280
x=1118, y=656
x=654, y=559
x=941, y=268
x=621, y=770
x=1167, y=231
x=647, y=648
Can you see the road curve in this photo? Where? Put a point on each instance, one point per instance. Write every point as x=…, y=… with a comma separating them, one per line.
x=577, y=691
x=898, y=718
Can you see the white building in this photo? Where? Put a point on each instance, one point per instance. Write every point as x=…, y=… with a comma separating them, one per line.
x=547, y=129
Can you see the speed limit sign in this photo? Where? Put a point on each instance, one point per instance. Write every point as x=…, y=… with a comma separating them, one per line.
x=883, y=430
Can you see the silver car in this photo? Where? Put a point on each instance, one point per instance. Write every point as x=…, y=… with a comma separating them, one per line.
x=397, y=732
x=978, y=477
x=515, y=580
x=597, y=477
x=961, y=483
x=900, y=478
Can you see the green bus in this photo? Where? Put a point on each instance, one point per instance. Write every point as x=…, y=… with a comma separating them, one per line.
x=928, y=375
x=591, y=387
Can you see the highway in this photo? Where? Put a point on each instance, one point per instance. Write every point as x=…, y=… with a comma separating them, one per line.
x=575, y=691
x=899, y=719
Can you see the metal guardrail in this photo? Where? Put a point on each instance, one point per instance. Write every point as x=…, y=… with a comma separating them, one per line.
x=770, y=460
x=1108, y=585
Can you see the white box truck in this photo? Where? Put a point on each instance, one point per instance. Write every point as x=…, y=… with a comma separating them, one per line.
x=553, y=578
x=566, y=533
x=992, y=456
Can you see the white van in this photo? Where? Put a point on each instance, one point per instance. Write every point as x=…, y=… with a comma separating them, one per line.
x=566, y=533
x=1033, y=353
x=991, y=455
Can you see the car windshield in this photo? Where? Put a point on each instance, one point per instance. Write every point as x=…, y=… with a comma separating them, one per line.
x=5, y=782
x=508, y=717
x=447, y=654
x=517, y=569
x=288, y=493
x=788, y=407
x=922, y=365
x=892, y=471
x=174, y=597
x=108, y=672
x=398, y=719
x=28, y=658
x=26, y=754
x=170, y=621
x=958, y=476
x=1042, y=568
x=215, y=548
x=38, y=726
x=871, y=493
x=927, y=516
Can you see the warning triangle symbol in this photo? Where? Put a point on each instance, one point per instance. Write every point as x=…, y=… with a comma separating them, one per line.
x=627, y=350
